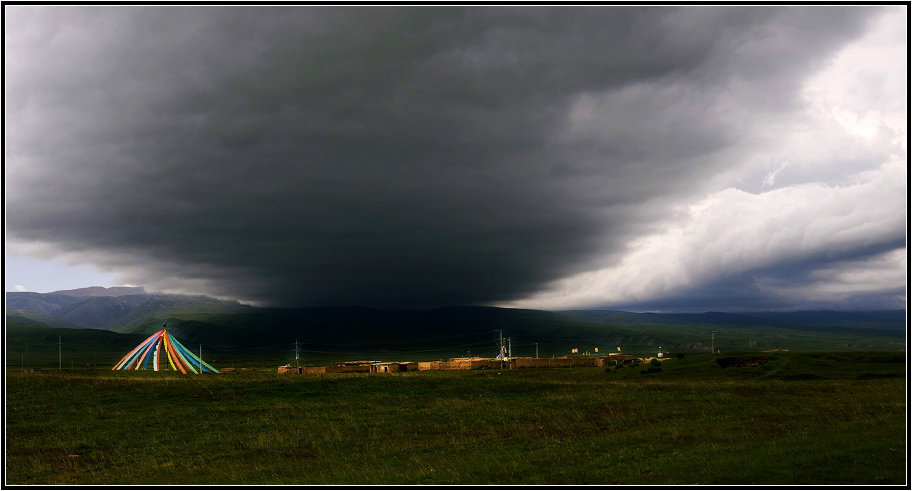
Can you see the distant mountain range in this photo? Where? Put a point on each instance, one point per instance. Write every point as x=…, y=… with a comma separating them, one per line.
x=100, y=291
x=230, y=326
x=108, y=308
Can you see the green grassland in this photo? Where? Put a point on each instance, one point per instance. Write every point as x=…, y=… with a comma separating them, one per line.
x=724, y=419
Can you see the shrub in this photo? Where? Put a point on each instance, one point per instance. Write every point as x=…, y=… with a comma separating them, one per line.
x=655, y=362
x=680, y=355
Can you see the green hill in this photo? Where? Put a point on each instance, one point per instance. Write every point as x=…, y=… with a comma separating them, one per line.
x=28, y=318
x=157, y=308
x=32, y=346
x=233, y=331
x=96, y=312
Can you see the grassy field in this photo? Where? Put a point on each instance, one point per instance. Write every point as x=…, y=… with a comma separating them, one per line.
x=781, y=418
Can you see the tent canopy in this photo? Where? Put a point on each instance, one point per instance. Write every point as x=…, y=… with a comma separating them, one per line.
x=161, y=345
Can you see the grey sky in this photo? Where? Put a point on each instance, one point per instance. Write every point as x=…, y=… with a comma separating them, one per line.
x=519, y=156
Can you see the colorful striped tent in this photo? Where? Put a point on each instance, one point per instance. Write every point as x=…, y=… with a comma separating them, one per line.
x=161, y=345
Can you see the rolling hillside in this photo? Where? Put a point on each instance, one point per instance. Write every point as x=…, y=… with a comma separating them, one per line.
x=28, y=343
x=156, y=307
x=22, y=317
x=95, y=312
x=359, y=332
x=42, y=303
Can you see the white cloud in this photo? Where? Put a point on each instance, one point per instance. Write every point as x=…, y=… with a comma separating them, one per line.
x=733, y=231
x=859, y=89
x=770, y=179
x=844, y=153
x=20, y=288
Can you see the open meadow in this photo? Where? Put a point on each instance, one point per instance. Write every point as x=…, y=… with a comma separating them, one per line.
x=727, y=419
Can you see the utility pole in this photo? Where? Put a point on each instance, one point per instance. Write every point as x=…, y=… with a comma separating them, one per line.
x=536, y=350
x=500, y=347
x=201, y=360
x=510, y=349
x=713, y=349
x=59, y=354
x=297, y=364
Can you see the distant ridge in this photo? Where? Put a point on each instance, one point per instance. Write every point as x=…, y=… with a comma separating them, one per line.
x=42, y=303
x=328, y=331
x=100, y=291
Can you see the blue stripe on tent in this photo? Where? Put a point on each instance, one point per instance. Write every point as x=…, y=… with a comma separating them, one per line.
x=148, y=355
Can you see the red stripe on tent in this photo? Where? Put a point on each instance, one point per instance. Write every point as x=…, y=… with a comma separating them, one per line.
x=158, y=354
x=174, y=357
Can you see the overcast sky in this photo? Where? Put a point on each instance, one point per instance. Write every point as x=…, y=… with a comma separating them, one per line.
x=664, y=158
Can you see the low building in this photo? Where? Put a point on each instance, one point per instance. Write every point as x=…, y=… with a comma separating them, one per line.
x=465, y=364
x=352, y=366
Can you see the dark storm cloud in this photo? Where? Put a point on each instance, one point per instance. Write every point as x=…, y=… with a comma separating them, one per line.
x=379, y=156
